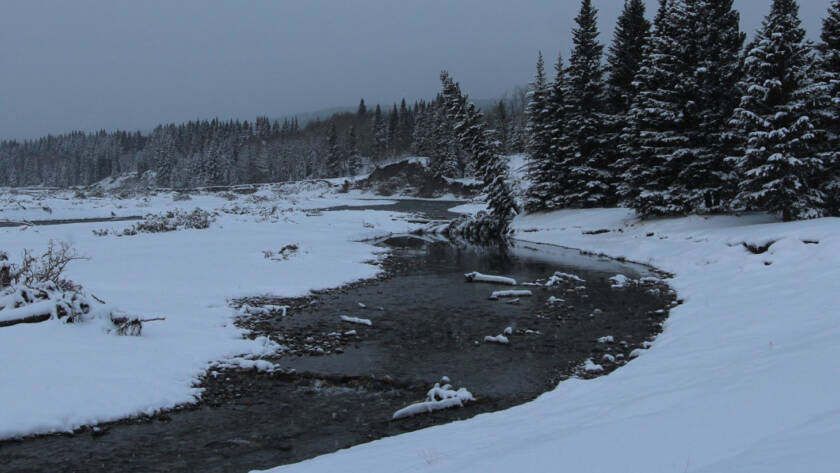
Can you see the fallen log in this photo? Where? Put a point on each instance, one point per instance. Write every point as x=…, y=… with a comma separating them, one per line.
x=28, y=314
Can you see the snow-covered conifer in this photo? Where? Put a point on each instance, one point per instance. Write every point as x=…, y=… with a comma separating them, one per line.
x=589, y=181
x=780, y=165
x=541, y=159
x=830, y=75
x=491, y=166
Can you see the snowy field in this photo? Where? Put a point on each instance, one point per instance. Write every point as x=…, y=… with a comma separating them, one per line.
x=745, y=377
x=35, y=204
x=57, y=377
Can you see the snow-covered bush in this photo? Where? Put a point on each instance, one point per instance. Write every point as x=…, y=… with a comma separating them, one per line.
x=170, y=221
x=35, y=290
x=46, y=268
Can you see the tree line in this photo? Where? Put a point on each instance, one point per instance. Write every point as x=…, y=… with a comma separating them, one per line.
x=215, y=152
x=684, y=118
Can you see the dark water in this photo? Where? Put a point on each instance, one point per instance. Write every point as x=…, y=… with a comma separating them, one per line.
x=432, y=209
x=39, y=223
x=426, y=322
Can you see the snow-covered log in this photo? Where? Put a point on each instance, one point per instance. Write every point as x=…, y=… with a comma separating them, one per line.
x=28, y=314
x=478, y=277
x=438, y=398
x=356, y=320
x=499, y=294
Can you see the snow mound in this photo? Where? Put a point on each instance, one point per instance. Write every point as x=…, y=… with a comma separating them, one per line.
x=559, y=278
x=620, y=281
x=500, y=339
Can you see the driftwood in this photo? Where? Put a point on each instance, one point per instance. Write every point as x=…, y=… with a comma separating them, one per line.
x=34, y=319
x=27, y=316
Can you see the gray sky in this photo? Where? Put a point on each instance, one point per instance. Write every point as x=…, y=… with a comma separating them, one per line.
x=129, y=64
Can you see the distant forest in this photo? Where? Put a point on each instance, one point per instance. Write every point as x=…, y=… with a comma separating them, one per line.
x=214, y=152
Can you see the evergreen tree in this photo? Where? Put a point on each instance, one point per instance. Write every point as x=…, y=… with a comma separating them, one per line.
x=362, y=111
x=625, y=56
x=393, y=130
x=335, y=158
x=780, y=165
x=830, y=76
x=655, y=137
x=165, y=157
x=380, y=135
x=502, y=125
x=445, y=151
x=624, y=61
x=491, y=166
x=711, y=61
x=588, y=181
x=541, y=162
x=354, y=160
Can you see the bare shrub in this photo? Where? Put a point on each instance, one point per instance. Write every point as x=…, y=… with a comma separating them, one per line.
x=46, y=268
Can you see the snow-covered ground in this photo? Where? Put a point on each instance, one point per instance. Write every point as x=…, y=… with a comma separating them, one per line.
x=745, y=377
x=39, y=204
x=57, y=377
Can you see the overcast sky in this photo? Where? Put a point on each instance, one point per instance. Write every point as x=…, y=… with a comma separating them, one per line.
x=129, y=64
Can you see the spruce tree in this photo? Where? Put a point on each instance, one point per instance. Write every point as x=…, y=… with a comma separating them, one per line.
x=624, y=61
x=380, y=134
x=354, y=160
x=165, y=157
x=830, y=49
x=625, y=55
x=652, y=135
x=712, y=63
x=780, y=165
x=541, y=160
x=491, y=166
x=335, y=158
x=589, y=180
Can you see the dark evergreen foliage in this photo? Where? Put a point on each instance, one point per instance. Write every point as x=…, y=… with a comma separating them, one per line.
x=490, y=164
x=781, y=169
x=588, y=179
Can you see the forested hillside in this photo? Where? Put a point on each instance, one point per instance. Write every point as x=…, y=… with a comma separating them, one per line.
x=214, y=152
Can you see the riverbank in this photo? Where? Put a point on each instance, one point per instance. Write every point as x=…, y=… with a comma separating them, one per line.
x=186, y=276
x=334, y=384
x=743, y=379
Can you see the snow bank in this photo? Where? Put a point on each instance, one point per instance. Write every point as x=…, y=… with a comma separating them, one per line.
x=745, y=377
x=187, y=277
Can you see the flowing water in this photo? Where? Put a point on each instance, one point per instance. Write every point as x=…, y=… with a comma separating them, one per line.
x=335, y=389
